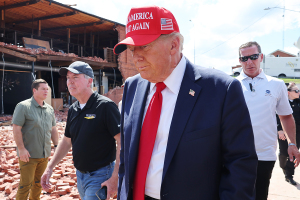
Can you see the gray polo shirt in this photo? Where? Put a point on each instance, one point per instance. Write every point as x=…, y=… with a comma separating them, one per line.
x=37, y=122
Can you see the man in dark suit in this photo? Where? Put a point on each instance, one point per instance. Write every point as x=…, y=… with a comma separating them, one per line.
x=185, y=130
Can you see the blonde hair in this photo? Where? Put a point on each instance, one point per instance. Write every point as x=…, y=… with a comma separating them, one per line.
x=291, y=85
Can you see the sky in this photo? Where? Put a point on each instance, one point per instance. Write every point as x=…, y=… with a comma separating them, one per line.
x=213, y=30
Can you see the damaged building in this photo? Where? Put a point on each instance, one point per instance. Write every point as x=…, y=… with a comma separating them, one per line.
x=37, y=37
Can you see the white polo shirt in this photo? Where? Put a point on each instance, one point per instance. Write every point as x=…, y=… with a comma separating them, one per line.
x=269, y=96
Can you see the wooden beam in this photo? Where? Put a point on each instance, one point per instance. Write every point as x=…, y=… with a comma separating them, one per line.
x=4, y=147
x=68, y=40
x=3, y=18
x=99, y=65
x=39, y=28
x=45, y=18
x=54, y=58
x=92, y=41
x=17, y=5
x=84, y=42
x=17, y=54
x=110, y=33
x=73, y=26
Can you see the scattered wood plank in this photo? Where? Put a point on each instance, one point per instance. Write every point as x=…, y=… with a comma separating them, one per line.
x=17, y=54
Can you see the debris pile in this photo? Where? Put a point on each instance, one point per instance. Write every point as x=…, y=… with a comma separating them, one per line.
x=41, y=51
x=63, y=179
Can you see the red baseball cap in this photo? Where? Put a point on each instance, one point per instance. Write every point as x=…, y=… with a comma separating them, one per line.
x=146, y=24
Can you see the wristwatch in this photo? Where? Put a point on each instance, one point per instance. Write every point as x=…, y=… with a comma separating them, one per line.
x=290, y=144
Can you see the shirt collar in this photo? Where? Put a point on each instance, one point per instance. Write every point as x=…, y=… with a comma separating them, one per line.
x=261, y=75
x=90, y=102
x=36, y=103
x=173, y=81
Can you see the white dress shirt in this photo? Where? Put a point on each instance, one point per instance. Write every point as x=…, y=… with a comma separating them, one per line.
x=170, y=93
x=268, y=97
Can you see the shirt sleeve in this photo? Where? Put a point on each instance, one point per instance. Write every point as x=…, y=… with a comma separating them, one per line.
x=19, y=115
x=112, y=118
x=283, y=106
x=67, y=130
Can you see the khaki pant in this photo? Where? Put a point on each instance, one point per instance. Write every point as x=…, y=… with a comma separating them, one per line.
x=30, y=178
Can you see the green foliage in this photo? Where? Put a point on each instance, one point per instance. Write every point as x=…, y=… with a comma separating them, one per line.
x=287, y=80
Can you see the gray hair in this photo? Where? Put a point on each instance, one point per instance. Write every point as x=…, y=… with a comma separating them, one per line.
x=87, y=77
x=176, y=34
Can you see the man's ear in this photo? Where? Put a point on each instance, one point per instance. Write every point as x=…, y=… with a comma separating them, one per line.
x=262, y=57
x=90, y=81
x=175, y=45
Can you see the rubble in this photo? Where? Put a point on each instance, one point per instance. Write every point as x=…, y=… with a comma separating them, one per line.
x=41, y=51
x=63, y=180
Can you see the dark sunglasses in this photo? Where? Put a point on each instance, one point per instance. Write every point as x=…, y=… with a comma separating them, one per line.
x=252, y=57
x=296, y=91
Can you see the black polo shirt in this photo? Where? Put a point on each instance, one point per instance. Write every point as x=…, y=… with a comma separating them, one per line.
x=92, y=132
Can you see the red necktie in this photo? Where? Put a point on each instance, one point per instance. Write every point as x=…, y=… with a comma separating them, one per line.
x=147, y=140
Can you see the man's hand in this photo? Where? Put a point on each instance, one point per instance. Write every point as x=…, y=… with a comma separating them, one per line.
x=281, y=135
x=112, y=186
x=24, y=155
x=293, y=152
x=45, y=179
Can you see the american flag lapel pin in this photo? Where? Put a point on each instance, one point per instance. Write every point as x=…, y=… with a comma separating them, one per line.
x=192, y=92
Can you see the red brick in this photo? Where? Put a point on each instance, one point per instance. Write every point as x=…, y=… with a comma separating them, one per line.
x=72, y=175
x=58, y=172
x=2, y=186
x=8, y=179
x=54, y=195
x=65, y=188
x=12, y=172
x=69, y=153
x=75, y=195
x=56, y=175
x=51, y=189
x=8, y=189
x=115, y=94
x=70, y=182
x=65, y=198
x=60, y=192
x=53, y=181
x=5, y=166
x=16, y=177
x=13, y=194
x=59, y=184
x=10, y=156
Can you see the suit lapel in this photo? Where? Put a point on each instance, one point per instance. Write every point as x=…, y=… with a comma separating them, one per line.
x=183, y=108
x=138, y=107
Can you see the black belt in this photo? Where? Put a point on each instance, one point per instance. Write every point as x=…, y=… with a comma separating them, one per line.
x=85, y=172
x=149, y=198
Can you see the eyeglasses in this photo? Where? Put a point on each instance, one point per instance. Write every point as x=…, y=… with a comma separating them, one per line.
x=252, y=57
x=296, y=91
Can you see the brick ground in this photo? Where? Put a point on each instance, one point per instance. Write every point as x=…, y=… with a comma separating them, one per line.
x=64, y=184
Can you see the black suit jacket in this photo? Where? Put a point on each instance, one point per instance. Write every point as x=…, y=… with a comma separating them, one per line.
x=210, y=153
